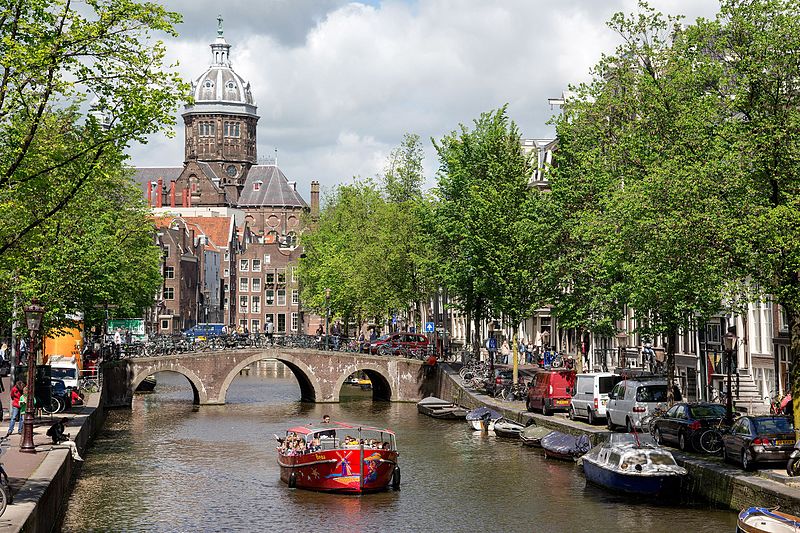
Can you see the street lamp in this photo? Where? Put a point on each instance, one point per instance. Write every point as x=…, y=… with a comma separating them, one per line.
x=33, y=316
x=622, y=343
x=730, y=345
x=327, y=315
x=545, y=347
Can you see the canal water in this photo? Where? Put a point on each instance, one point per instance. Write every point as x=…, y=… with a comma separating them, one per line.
x=167, y=466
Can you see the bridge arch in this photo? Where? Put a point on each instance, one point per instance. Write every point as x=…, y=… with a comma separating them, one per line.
x=308, y=388
x=200, y=396
x=381, y=383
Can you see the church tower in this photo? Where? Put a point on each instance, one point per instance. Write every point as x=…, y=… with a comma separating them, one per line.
x=221, y=122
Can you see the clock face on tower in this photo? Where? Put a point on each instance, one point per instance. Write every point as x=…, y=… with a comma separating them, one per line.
x=231, y=170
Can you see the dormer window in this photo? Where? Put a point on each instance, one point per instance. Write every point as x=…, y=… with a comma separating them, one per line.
x=231, y=85
x=257, y=185
x=208, y=84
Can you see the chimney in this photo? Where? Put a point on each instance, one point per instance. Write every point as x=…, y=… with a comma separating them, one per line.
x=159, y=193
x=315, y=200
x=172, y=194
x=189, y=197
x=149, y=194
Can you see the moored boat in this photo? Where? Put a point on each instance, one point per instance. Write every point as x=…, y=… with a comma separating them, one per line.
x=763, y=520
x=148, y=384
x=507, y=428
x=482, y=418
x=627, y=465
x=532, y=435
x=442, y=409
x=564, y=446
x=339, y=457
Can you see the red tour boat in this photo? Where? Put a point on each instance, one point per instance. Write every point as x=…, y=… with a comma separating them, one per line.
x=338, y=457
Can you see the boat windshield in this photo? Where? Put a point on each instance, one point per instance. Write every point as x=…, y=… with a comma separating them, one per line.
x=662, y=459
x=333, y=438
x=631, y=461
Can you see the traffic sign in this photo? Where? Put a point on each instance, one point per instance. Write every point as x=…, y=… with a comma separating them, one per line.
x=394, y=320
x=429, y=327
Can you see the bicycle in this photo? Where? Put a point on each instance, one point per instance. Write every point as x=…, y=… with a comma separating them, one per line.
x=648, y=421
x=710, y=439
x=5, y=488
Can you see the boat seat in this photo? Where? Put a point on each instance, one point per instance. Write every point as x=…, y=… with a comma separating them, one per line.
x=327, y=443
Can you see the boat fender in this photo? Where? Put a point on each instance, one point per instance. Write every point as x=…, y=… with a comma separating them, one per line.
x=292, y=480
x=396, y=478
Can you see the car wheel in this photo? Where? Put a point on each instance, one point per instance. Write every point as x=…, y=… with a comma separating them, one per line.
x=629, y=425
x=528, y=406
x=659, y=437
x=545, y=410
x=747, y=462
x=609, y=423
x=591, y=416
x=682, y=445
x=571, y=413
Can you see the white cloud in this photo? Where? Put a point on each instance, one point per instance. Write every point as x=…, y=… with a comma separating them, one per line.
x=338, y=84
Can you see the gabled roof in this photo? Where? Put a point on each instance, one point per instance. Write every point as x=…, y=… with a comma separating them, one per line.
x=219, y=230
x=274, y=189
x=144, y=175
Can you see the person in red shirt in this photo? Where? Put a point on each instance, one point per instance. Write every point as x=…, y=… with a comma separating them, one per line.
x=16, y=392
x=76, y=398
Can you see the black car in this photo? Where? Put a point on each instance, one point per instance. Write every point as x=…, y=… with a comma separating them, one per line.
x=683, y=420
x=754, y=439
x=62, y=392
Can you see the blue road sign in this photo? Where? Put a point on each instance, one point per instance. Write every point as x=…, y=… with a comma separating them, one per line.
x=394, y=320
x=428, y=327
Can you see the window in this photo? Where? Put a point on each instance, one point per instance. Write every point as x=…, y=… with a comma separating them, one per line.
x=256, y=265
x=266, y=259
x=244, y=284
x=281, y=276
x=242, y=304
x=270, y=278
x=269, y=299
x=231, y=129
x=243, y=322
x=169, y=272
x=224, y=303
x=206, y=128
x=295, y=297
x=256, y=284
x=227, y=256
x=281, y=323
x=295, y=321
x=294, y=274
x=244, y=265
x=169, y=293
x=281, y=297
x=269, y=317
x=165, y=253
x=255, y=325
x=227, y=272
x=165, y=324
x=257, y=186
x=255, y=304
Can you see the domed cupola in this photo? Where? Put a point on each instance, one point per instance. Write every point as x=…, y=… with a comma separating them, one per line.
x=221, y=121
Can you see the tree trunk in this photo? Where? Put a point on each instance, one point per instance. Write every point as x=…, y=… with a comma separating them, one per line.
x=672, y=331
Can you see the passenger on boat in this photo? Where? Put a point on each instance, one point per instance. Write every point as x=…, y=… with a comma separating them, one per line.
x=314, y=445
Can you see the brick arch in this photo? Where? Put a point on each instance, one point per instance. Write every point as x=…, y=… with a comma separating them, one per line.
x=200, y=396
x=381, y=383
x=309, y=386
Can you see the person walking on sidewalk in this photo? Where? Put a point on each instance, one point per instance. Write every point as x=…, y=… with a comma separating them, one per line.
x=16, y=393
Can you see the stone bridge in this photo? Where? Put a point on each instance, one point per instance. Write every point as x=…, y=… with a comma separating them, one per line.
x=320, y=374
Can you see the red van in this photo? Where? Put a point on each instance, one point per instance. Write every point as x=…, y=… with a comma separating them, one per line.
x=551, y=391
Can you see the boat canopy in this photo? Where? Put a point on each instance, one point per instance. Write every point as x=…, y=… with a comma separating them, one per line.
x=305, y=430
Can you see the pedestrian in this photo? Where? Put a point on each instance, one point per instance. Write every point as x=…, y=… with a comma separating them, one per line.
x=505, y=351
x=373, y=336
x=16, y=393
x=337, y=333
x=23, y=352
x=23, y=405
x=56, y=433
x=118, y=343
x=269, y=329
x=128, y=336
x=362, y=344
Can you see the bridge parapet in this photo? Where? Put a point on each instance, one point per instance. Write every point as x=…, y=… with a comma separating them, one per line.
x=320, y=374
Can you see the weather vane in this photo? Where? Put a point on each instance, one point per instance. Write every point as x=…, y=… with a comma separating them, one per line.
x=219, y=25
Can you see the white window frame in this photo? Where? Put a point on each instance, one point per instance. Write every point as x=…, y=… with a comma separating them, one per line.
x=164, y=323
x=295, y=296
x=295, y=321
x=244, y=284
x=255, y=304
x=266, y=259
x=280, y=298
x=243, y=301
x=244, y=265
x=171, y=292
x=169, y=272
x=267, y=297
x=256, y=265
x=255, y=285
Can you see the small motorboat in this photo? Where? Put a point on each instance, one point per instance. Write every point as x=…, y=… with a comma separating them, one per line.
x=339, y=457
x=482, y=418
x=564, y=446
x=628, y=464
x=509, y=429
x=442, y=409
x=532, y=435
x=763, y=520
x=148, y=384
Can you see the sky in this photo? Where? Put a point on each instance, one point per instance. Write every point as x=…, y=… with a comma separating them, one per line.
x=338, y=83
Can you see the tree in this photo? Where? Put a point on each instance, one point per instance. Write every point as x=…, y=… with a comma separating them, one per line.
x=403, y=177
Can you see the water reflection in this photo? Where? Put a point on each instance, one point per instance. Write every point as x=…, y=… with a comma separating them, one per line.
x=164, y=466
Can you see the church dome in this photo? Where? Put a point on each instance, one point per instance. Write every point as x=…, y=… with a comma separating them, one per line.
x=220, y=89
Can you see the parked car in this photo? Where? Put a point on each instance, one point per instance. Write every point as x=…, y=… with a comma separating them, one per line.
x=551, y=391
x=402, y=340
x=204, y=330
x=59, y=390
x=591, y=395
x=683, y=420
x=633, y=398
x=755, y=439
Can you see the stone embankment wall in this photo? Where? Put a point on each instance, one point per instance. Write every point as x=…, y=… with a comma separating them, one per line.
x=709, y=479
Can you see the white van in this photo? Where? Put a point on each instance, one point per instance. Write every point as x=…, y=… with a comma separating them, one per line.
x=591, y=395
x=632, y=399
x=64, y=368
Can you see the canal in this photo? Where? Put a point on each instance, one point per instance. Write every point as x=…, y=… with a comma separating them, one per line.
x=167, y=466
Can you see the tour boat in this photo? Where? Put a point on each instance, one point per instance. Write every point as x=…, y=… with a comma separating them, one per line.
x=438, y=408
x=625, y=464
x=763, y=520
x=328, y=464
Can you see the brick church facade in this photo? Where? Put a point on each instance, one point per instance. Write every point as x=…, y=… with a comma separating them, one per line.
x=225, y=202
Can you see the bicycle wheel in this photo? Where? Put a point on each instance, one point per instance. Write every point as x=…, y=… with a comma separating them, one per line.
x=53, y=407
x=711, y=441
x=3, y=498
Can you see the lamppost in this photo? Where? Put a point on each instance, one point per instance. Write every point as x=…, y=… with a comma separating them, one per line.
x=622, y=344
x=730, y=346
x=327, y=315
x=545, y=346
x=33, y=316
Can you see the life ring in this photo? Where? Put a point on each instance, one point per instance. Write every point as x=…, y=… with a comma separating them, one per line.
x=396, y=478
x=292, y=480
